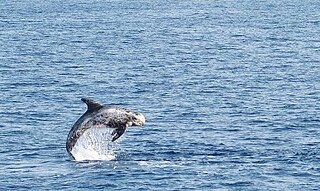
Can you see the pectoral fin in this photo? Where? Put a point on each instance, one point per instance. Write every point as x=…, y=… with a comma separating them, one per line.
x=117, y=133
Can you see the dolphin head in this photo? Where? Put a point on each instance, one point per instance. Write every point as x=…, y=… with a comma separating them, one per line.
x=138, y=119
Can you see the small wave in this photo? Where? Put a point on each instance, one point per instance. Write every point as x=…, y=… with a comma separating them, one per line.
x=95, y=144
x=159, y=164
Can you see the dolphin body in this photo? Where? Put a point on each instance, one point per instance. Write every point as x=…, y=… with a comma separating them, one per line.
x=103, y=116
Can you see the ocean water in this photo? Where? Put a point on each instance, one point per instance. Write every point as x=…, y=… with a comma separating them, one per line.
x=230, y=90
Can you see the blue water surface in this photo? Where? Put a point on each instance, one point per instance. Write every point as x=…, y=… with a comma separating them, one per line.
x=230, y=90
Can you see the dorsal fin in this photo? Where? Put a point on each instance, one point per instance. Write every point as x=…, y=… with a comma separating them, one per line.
x=91, y=104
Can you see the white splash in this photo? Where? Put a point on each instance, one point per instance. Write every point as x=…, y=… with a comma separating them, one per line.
x=94, y=144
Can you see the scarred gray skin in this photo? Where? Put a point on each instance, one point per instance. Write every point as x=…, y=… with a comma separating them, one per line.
x=103, y=116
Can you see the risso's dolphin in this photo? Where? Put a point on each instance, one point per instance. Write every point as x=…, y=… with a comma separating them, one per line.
x=103, y=116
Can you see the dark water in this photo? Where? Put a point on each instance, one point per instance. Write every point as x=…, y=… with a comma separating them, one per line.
x=230, y=90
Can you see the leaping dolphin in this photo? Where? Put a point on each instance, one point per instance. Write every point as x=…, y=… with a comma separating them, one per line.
x=103, y=116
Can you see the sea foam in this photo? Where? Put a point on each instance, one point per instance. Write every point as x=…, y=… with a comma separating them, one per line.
x=94, y=144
